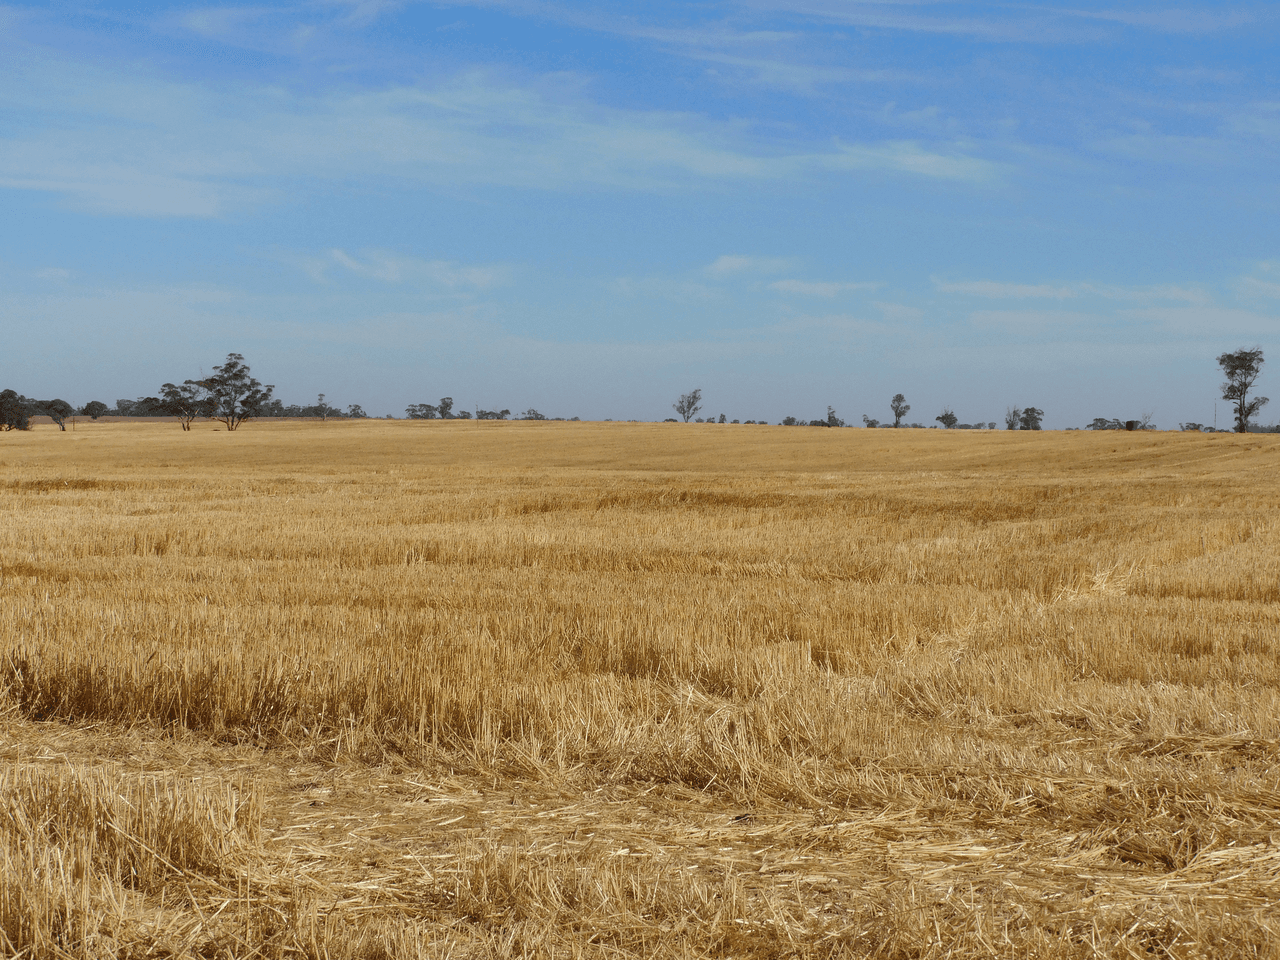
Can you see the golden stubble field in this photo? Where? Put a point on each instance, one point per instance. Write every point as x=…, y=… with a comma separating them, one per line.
x=384, y=689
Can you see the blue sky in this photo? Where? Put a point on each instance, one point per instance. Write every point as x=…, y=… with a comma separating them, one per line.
x=592, y=208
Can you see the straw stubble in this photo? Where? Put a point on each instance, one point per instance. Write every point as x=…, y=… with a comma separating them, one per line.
x=658, y=690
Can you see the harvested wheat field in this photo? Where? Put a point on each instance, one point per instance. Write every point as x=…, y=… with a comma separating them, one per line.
x=399, y=689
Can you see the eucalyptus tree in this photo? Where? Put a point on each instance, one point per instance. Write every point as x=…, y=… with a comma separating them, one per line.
x=235, y=396
x=689, y=404
x=1242, y=369
x=186, y=401
x=900, y=408
x=15, y=414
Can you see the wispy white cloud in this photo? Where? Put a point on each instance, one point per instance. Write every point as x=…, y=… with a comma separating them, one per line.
x=360, y=12
x=1154, y=146
x=221, y=22
x=1261, y=119
x=819, y=288
x=1035, y=323
x=1156, y=324
x=121, y=142
x=1257, y=287
x=1172, y=19
x=732, y=264
x=1200, y=75
x=841, y=330
x=795, y=75
x=394, y=268
x=996, y=290
x=1004, y=291
x=1158, y=292
x=899, y=312
x=1263, y=282
x=675, y=289
x=114, y=189
x=911, y=157
x=1209, y=323
x=1007, y=25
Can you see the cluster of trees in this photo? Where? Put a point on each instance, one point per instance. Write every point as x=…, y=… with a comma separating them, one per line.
x=1027, y=418
x=318, y=409
x=831, y=421
x=900, y=408
x=444, y=411
x=690, y=403
x=1241, y=369
x=1016, y=418
x=172, y=406
x=230, y=395
x=1102, y=423
x=16, y=411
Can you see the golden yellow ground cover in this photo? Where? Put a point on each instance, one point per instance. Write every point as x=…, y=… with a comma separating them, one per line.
x=493, y=689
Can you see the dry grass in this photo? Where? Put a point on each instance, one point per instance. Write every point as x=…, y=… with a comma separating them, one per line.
x=393, y=689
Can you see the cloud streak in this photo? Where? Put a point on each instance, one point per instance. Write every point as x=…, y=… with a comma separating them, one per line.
x=733, y=264
x=911, y=157
x=140, y=145
x=396, y=269
x=996, y=290
x=818, y=288
x=1004, y=291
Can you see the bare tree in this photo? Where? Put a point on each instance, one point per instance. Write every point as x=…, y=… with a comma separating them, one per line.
x=1241, y=370
x=689, y=404
x=1012, y=417
x=900, y=408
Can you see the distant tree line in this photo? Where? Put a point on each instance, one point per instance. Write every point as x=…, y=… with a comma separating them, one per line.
x=444, y=410
x=230, y=395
